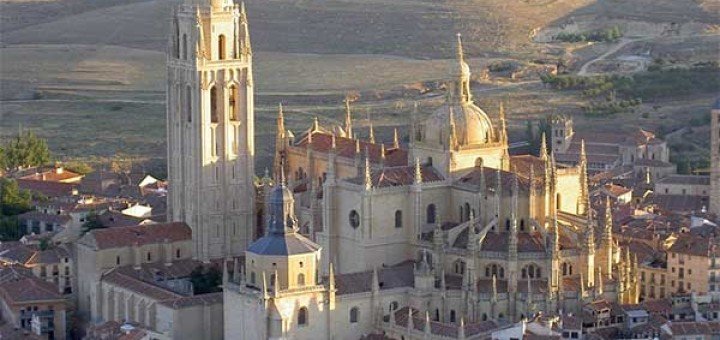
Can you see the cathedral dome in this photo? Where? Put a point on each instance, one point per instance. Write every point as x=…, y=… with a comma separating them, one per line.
x=472, y=124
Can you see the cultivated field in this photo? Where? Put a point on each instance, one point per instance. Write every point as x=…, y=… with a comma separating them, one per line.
x=89, y=74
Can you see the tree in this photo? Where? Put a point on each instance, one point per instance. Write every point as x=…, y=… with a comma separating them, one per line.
x=44, y=243
x=92, y=221
x=206, y=279
x=13, y=200
x=25, y=150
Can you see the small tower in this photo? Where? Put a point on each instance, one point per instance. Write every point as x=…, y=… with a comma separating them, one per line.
x=561, y=132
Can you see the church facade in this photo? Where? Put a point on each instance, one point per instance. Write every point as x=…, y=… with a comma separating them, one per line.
x=446, y=236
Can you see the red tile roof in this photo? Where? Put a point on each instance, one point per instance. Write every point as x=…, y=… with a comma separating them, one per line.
x=345, y=147
x=398, y=176
x=54, y=175
x=25, y=290
x=695, y=245
x=137, y=235
x=51, y=189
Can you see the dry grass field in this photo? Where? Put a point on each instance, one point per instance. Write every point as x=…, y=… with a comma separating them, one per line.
x=89, y=74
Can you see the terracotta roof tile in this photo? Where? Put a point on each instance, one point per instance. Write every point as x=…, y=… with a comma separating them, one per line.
x=51, y=189
x=142, y=234
x=392, y=277
x=398, y=176
x=345, y=147
x=29, y=289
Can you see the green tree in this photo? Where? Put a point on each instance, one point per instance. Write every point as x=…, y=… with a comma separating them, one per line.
x=13, y=200
x=25, y=150
x=92, y=221
x=206, y=279
x=9, y=228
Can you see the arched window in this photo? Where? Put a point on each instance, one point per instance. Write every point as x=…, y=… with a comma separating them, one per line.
x=301, y=279
x=460, y=267
x=177, y=253
x=354, y=219
x=221, y=47
x=213, y=105
x=184, y=47
x=522, y=224
x=354, y=314
x=394, y=306
x=437, y=314
x=398, y=219
x=467, y=211
x=452, y=315
x=507, y=224
x=430, y=214
x=532, y=271
x=149, y=257
x=302, y=316
x=272, y=280
x=188, y=103
x=232, y=100
x=479, y=162
x=502, y=272
x=117, y=260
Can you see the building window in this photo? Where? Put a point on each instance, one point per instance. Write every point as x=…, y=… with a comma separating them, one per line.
x=354, y=219
x=117, y=260
x=301, y=279
x=221, y=47
x=252, y=278
x=149, y=257
x=430, y=214
x=452, y=315
x=177, y=253
x=184, y=47
x=232, y=100
x=459, y=267
x=188, y=103
x=398, y=219
x=394, y=306
x=213, y=105
x=302, y=316
x=354, y=314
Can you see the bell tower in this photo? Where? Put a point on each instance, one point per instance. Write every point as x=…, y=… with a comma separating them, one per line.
x=210, y=126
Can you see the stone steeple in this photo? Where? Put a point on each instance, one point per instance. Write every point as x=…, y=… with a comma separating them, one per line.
x=348, y=120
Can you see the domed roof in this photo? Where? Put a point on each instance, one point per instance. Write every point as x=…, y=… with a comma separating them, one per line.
x=472, y=124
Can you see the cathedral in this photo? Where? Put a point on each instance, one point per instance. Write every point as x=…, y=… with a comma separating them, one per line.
x=447, y=235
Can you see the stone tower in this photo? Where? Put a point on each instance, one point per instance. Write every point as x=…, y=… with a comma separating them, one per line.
x=561, y=132
x=715, y=159
x=210, y=126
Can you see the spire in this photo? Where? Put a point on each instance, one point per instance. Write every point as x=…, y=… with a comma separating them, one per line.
x=453, y=133
x=584, y=208
x=396, y=139
x=543, y=147
x=372, y=134
x=460, y=54
x=280, y=123
x=382, y=152
x=200, y=47
x=503, y=123
x=348, y=119
x=316, y=125
x=410, y=325
x=368, y=175
x=276, y=283
x=463, y=86
x=331, y=278
x=607, y=234
x=494, y=287
x=600, y=286
x=264, y=286
x=512, y=248
x=418, y=171
x=582, y=286
x=333, y=143
x=428, y=330
x=357, y=146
